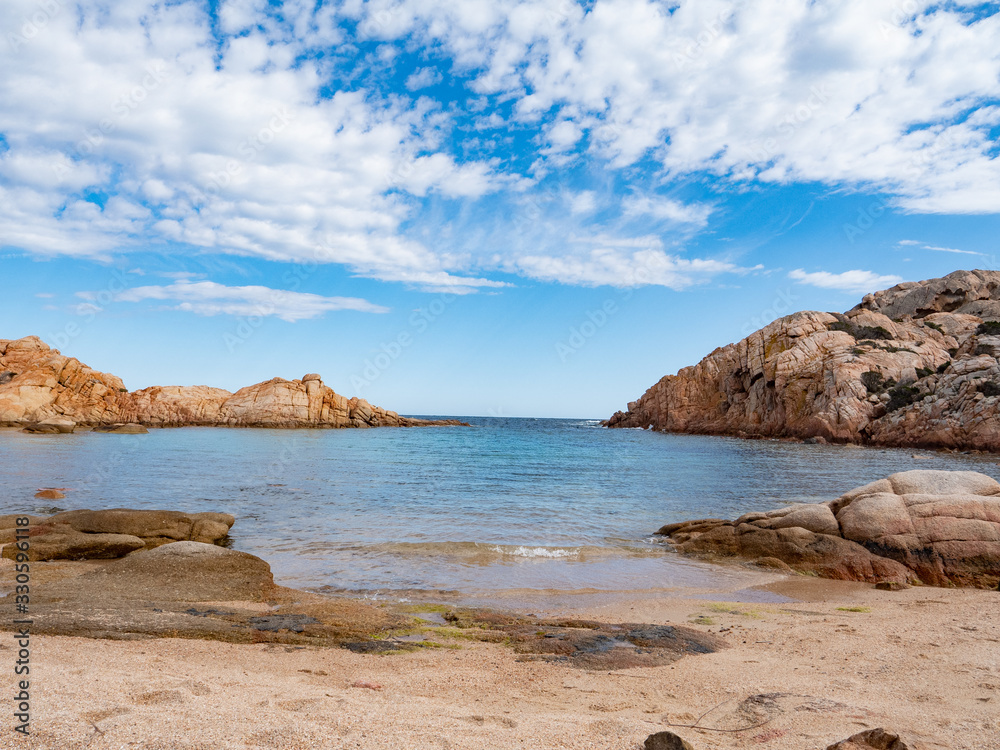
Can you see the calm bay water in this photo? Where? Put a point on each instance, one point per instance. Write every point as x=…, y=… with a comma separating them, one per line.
x=505, y=504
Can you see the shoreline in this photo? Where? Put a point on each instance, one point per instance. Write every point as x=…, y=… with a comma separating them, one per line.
x=839, y=659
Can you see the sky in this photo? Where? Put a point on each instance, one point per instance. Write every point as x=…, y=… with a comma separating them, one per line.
x=484, y=207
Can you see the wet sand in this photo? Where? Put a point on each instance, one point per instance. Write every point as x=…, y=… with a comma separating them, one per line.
x=841, y=658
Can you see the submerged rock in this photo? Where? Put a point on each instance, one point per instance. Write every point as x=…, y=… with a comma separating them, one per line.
x=122, y=429
x=935, y=527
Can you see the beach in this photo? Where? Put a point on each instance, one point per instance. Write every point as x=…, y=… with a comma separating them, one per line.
x=841, y=658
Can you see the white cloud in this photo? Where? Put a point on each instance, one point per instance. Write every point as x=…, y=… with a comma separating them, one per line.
x=238, y=155
x=422, y=78
x=856, y=281
x=584, y=202
x=864, y=93
x=937, y=249
x=622, y=267
x=210, y=298
x=665, y=209
x=157, y=133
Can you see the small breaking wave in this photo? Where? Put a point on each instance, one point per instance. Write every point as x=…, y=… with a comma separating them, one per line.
x=483, y=553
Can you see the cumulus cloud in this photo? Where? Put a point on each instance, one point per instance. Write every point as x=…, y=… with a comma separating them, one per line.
x=210, y=298
x=267, y=132
x=899, y=97
x=855, y=281
x=665, y=209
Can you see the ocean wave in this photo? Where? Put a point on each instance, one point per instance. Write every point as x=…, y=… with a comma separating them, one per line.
x=480, y=553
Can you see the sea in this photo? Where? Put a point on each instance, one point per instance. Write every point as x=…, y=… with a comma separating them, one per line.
x=505, y=509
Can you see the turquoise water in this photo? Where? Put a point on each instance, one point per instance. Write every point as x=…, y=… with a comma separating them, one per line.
x=546, y=504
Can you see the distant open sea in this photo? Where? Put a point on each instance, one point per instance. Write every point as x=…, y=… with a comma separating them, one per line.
x=556, y=505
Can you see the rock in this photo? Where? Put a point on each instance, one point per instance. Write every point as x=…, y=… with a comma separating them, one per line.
x=666, y=741
x=122, y=429
x=39, y=385
x=873, y=739
x=57, y=541
x=184, y=571
x=936, y=527
x=915, y=365
x=166, y=525
x=773, y=563
x=51, y=426
x=108, y=534
x=49, y=495
x=891, y=586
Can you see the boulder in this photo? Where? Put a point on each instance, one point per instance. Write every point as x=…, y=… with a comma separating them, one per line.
x=51, y=426
x=50, y=495
x=107, y=534
x=56, y=541
x=184, y=571
x=666, y=741
x=169, y=525
x=874, y=739
x=937, y=527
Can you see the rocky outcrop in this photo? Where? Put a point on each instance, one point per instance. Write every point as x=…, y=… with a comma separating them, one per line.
x=936, y=527
x=44, y=391
x=915, y=365
x=107, y=534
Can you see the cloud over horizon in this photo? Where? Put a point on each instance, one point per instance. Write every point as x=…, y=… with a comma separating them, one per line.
x=440, y=147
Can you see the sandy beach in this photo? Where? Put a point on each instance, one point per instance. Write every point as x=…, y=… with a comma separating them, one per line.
x=841, y=658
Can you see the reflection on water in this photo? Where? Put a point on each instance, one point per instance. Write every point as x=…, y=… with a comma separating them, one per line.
x=506, y=504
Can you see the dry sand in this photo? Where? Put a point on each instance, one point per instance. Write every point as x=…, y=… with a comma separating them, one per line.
x=924, y=660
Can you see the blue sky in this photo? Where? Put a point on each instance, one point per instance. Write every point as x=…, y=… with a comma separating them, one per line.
x=504, y=207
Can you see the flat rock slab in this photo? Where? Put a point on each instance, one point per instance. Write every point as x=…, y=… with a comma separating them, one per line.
x=190, y=590
x=586, y=644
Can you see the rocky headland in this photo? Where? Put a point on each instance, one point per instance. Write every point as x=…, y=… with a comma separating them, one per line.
x=934, y=527
x=46, y=391
x=914, y=365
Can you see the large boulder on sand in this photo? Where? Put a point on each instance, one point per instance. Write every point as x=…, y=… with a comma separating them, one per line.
x=938, y=527
x=183, y=571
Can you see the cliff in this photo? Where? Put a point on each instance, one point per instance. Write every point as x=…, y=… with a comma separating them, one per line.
x=37, y=383
x=914, y=365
